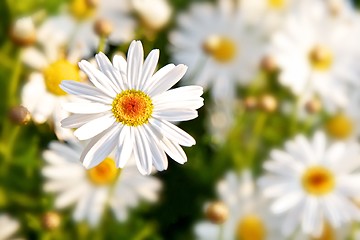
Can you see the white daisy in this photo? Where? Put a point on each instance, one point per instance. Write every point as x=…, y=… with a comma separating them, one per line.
x=311, y=184
x=248, y=217
x=218, y=47
x=131, y=110
x=76, y=25
x=8, y=227
x=41, y=95
x=92, y=190
x=316, y=56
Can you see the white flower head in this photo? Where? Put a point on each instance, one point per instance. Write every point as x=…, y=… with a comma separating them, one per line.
x=218, y=47
x=8, y=227
x=248, y=216
x=91, y=191
x=130, y=108
x=313, y=184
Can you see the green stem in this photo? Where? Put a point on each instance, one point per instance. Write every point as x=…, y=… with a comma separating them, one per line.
x=102, y=42
x=255, y=139
x=11, y=141
x=145, y=232
x=294, y=117
x=14, y=81
x=221, y=232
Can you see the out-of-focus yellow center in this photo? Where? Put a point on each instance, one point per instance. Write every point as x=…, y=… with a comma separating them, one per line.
x=340, y=126
x=318, y=181
x=250, y=227
x=132, y=107
x=58, y=71
x=327, y=234
x=276, y=4
x=105, y=173
x=82, y=9
x=222, y=49
x=321, y=58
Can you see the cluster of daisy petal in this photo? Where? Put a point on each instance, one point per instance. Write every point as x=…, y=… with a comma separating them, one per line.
x=97, y=123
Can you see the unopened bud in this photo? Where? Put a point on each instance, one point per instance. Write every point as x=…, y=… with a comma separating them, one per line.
x=23, y=32
x=313, y=106
x=217, y=212
x=250, y=103
x=51, y=220
x=268, y=64
x=92, y=3
x=268, y=103
x=19, y=115
x=103, y=27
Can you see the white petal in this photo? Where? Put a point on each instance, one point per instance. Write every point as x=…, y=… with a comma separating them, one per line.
x=77, y=120
x=34, y=58
x=86, y=108
x=175, y=115
x=70, y=196
x=108, y=69
x=94, y=127
x=287, y=201
x=97, y=206
x=173, y=150
x=142, y=151
x=149, y=66
x=135, y=60
x=125, y=146
x=120, y=64
x=158, y=75
x=159, y=157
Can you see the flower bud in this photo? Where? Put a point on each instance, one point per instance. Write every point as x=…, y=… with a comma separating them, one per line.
x=103, y=28
x=51, y=220
x=268, y=103
x=19, y=115
x=268, y=64
x=250, y=103
x=313, y=106
x=23, y=32
x=217, y=212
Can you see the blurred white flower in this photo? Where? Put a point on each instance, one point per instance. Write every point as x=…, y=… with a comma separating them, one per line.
x=8, y=227
x=41, y=95
x=316, y=57
x=312, y=184
x=248, y=219
x=218, y=47
x=154, y=14
x=92, y=190
x=130, y=108
x=75, y=27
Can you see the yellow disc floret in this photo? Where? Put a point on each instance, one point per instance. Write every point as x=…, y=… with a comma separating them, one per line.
x=321, y=58
x=82, y=9
x=105, y=173
x=340, y=126
x=57, y=72
x=222, y=49
x=318, y=180
x=132, y=107
x=276, y=4
x=250, y=227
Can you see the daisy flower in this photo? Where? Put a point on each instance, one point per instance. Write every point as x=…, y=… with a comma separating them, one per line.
x=218, y=47
x=91, y=191
x=131, y=109
x=8, y=227
x=312, y=184
x=248, y=217
x=41, y=95
x=77, y=24
x=316, y=56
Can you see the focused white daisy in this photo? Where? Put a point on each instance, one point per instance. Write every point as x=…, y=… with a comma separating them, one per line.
x=91, y=191
x=316, y=56
x=218, y=47
x=312, y=184
x=77, y=24
x=248, y=216
x=8, y=227
x=41, y=95
x=131, y=109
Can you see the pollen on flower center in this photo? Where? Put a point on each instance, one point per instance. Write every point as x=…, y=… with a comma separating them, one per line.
x=82, y=9
x=340, y=126
x=318, y=180
x=222, y=49
x=276, y=4
x=132, y=107
x=58, y=71
x=104, y=173
x=321, y=58
x=250, y=227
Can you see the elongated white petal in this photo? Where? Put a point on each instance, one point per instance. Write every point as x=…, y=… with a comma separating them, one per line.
x=159, y=157
x=100, y=147
x=94, y=127
x=142, y=152
x=77, y=120
x=86, y=108
x=125, y=146
x=108, y=69
x=175, y=115
x=155, y=78
x=120, y=65
x=173, y=150
x=135, y=60
x=149, y=66
x=172, y=105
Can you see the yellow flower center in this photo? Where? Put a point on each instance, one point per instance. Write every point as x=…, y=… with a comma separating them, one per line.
x=250, y=227
x=222, y=49
x=276, y=4
x=105, y=173
x=327, y=234
x=321, y=58
x=132, y=107
x=82, y=9
x=318, y=181
x=340, y=126
x=58, y=71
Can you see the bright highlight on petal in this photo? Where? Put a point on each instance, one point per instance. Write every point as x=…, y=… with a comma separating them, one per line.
x=105, y=173
x=318, y=180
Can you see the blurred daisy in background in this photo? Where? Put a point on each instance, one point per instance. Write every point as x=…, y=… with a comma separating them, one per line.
x=92, y=190
x=218, y=47
x=248, y=217
x=8, y=227
x=313, y=184
x=85, y=22
x=131, y=109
